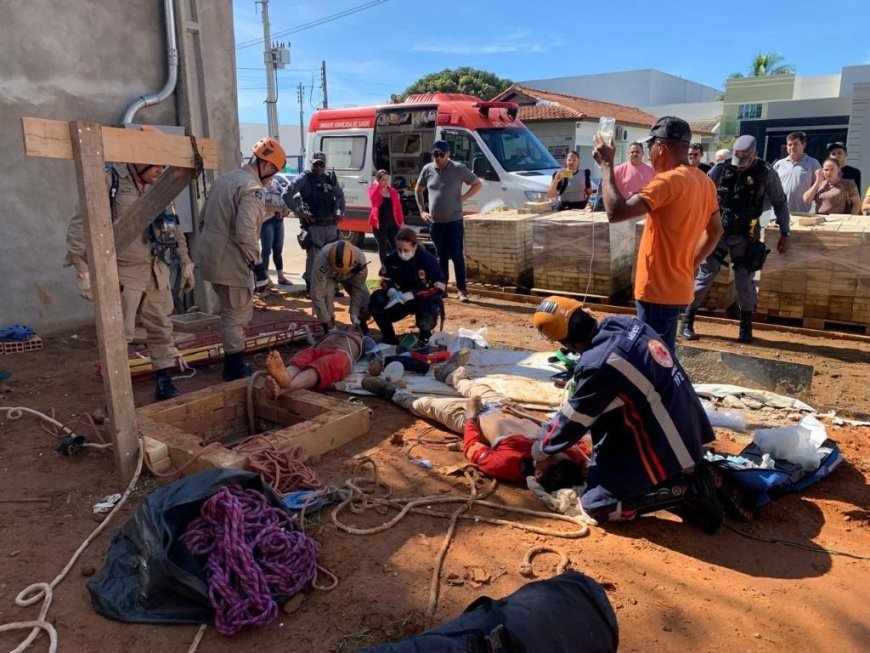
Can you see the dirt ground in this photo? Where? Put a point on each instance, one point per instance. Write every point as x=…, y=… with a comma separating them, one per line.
x=673, y=587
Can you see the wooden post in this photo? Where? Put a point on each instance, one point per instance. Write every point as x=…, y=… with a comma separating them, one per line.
x=87, y=149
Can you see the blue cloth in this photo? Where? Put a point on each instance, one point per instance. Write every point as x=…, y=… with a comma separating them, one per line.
x=449, y=241
x=647, y=423
x=4, y=374
x=16, y=332
x=662, y=319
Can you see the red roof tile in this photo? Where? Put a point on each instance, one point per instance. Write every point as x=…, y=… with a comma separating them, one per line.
x=557, y=106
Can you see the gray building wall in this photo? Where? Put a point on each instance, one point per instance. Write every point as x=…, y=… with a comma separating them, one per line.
x=634, y=88
x=85, y=60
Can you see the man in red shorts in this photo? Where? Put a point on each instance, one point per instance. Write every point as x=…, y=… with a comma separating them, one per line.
x=317, y=367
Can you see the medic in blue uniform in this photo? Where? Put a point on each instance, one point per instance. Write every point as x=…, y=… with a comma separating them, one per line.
x=648, y=426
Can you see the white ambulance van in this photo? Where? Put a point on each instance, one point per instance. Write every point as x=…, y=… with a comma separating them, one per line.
x=485, y=136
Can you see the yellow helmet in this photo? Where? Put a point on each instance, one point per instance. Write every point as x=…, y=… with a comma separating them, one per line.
x=340, y=257
x=268, y=149
x=553, y=316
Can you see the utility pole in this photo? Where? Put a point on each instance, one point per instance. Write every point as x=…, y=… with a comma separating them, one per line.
x=301, y=93
x=269, y=60
x=323, y=83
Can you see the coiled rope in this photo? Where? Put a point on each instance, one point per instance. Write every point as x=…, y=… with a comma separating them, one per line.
x=254, y=551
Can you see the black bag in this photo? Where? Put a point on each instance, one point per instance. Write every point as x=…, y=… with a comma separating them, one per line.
x=756, y=255
x=569, y=613
x=149, y=575
x=304, y=238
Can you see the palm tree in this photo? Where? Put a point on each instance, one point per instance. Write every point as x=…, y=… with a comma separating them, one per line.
x=764, y=65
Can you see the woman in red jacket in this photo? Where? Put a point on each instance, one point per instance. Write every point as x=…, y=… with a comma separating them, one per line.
x=386, y=217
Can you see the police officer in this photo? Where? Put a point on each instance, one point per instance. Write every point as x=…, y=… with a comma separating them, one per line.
x=229, y=246
x=318, y=202
x=648, y=426
x=143, y=267
x=742, y=187
x=340, y=263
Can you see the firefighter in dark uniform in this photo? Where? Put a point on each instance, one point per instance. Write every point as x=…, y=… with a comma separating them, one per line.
x=742, y=187
x=648, y=426
x=412, y=284
x=318, y=201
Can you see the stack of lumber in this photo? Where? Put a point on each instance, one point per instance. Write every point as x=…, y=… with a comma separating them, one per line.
x=581, y=252
x=824, y=276
x=722, y=293
x=498, y=247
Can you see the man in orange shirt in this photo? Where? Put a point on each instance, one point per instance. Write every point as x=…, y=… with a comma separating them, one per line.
x=682, y=227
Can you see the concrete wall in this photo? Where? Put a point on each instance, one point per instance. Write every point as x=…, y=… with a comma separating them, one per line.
x=817, y=86
x=632, y=88
x=83, y=60
x=859, y=133
x=852, y=75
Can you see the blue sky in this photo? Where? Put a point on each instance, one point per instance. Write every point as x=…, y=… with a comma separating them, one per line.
x=388, y=46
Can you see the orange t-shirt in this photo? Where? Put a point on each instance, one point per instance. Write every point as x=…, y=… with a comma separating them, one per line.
x=681, y=202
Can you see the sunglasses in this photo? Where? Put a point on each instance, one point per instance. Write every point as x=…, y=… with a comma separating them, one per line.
x=439, y=155
x=318, y=163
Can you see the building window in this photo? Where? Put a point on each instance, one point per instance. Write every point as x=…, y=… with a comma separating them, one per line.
x=748, y=111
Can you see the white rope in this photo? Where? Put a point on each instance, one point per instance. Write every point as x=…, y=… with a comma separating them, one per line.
x=44, y=591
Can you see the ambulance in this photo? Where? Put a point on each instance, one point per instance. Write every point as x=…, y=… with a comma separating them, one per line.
x=485, y=136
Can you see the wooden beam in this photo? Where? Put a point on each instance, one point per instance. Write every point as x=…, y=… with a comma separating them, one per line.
x=51, y=139
x=132, y=222
x=87, y=152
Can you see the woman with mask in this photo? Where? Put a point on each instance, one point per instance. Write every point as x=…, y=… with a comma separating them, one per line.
x=412, y=283
x=386, y=217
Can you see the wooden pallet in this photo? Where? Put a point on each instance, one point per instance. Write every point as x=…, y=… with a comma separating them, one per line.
x=815, y=324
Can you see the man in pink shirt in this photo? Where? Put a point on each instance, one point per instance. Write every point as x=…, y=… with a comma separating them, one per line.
x=633, y=175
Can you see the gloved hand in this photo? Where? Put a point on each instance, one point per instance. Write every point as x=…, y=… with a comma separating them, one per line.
x=395, y=297
x=84, y=278
x=407, y=296
x=188, y=281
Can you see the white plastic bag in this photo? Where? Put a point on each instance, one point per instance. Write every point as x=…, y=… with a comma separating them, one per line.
x=726, y=419
x=798, y=443
x=468, y=339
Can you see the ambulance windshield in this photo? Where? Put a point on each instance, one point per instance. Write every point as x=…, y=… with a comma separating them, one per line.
x=517, y=149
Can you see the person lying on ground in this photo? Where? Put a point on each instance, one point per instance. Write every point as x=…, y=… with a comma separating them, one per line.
x=497, y=437
x=317, y=367
x=648, y=426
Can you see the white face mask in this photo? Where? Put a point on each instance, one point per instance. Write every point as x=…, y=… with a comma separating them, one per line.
x=405, y=256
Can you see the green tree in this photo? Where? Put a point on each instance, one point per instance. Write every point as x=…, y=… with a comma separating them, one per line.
x=764, y=65
x=481, y=83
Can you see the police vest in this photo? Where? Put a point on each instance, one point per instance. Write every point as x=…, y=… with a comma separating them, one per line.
x=741, y=197
x=319, y=195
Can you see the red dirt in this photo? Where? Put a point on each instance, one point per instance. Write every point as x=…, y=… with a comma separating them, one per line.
x=673, y=588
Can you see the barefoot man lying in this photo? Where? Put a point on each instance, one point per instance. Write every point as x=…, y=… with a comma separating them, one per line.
x=317, y=367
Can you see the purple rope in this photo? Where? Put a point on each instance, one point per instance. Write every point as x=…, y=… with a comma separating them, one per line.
x=254, y=551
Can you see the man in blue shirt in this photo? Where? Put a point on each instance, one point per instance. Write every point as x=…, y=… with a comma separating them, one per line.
x=648, y=426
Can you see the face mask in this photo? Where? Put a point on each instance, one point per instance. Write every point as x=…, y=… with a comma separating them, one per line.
x=745, y=161
x=405, y=256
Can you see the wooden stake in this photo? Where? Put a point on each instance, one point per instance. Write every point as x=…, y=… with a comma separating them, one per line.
x=87, y=149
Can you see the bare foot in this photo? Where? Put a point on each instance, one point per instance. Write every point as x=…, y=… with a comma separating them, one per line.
x=275, y=367
x=274, y=389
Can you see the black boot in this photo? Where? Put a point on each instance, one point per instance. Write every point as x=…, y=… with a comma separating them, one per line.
x=688, y=329
x=165, y=388
x=235, y=367
x=745, y=334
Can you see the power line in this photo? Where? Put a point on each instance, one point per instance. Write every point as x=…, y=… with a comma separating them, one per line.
x=315, y=23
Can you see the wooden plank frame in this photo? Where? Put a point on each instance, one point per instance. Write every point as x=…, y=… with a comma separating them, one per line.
x=90, y=146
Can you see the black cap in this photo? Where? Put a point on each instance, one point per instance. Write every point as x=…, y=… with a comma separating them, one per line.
x=670, y=128
x=440, y=146
x=836, y=144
